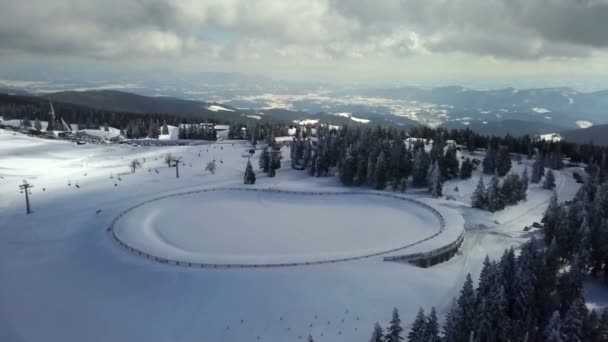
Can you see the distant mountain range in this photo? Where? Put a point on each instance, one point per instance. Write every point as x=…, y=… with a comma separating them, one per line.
x=498, y=112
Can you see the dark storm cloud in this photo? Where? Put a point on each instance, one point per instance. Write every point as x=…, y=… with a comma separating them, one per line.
x=501, y=28
x=508, y=29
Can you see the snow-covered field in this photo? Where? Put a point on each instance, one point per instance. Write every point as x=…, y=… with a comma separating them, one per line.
x=62, y=278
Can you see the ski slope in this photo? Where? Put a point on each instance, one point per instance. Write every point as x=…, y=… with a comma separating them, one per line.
x=64, y=278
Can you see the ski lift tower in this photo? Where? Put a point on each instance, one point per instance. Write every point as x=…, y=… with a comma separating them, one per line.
x=25, y=187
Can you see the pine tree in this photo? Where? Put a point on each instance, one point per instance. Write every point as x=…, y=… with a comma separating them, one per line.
x=466, y=170
x=432, y=327
x=393, y=333
x=494, y=196
x=489, y=161
x=551, y=218
x=450, y=332
x=553, y=330
x=380, y=172
x=165, y=128
x=524, y=289
x=377, y=334
x=348, y=168
x=370, y=174
x=483, y=322
x=264, y=161
x=449, y=164
x=37, y=125
x=479, y=198
x=420, y=168
x=434, y=181
x=249, y=177
x=549, y=182
x=418, y=333
x=572, y=327
x=509, y=188
x=465, y=318
x=538, y=169
x=503, y=162
x=523, y=188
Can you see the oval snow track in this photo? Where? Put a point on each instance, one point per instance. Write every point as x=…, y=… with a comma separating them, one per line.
x=256, y=227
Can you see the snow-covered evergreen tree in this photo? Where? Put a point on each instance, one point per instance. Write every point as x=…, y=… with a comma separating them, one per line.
x=503, y=162
x=494, y=196
x=418, y=332
x=348, y=169
x=435, y=185
x=489, y=161
x=449, y=164
x=420, y=168
x=370, y=174
x=572, y=325
x=551, y=219
x=466, y=169
x=450, y=333
x=249, y=177
x=377, y=334
x=553, y=330
x=549, y=182
x=380, y=172
x=538, y=169
x=264, y=161
x=432, y=327
x=479, y=198
x=465, y=317
x=394, y=330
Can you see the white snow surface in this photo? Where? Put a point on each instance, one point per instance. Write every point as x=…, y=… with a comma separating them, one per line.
x=551, y=137
x=306, y=121
x=584, y=124
x=195, y=228
x=65, y=279
x=217, y=108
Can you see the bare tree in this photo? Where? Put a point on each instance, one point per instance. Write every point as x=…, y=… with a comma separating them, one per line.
x=169, y=159
x=134, y=165
x=210, y=167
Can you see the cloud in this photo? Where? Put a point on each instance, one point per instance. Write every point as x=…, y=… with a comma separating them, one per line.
x=317, y=30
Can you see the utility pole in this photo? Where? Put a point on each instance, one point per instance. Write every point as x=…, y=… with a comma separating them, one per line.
x=25, y=188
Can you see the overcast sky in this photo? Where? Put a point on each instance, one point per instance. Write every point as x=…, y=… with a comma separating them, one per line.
x=330, y=40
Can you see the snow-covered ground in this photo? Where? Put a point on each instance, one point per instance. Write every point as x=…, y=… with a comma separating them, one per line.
x=217, y=108
x=64, y=279
x=584, y=124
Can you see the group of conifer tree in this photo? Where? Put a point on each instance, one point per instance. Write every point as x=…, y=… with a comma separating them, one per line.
x=538, y=294
x=379, y=158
